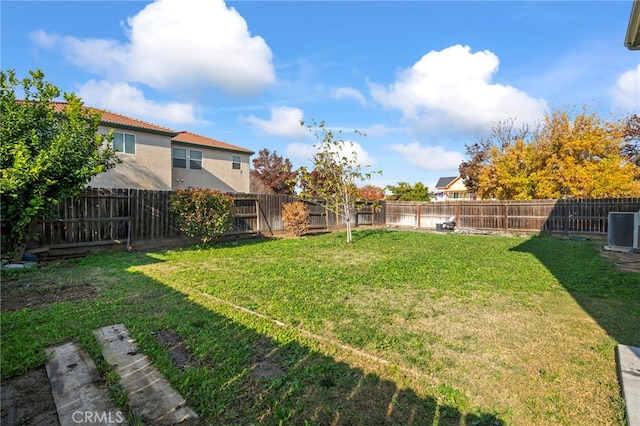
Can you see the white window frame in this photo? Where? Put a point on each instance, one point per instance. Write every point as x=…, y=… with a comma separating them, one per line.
x=189, y=161
x=193, y=161
x=236, y=162
x=124, y=143
x=174, y=158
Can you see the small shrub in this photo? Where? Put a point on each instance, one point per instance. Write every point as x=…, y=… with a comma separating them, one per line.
x=202, y=213
x=296, y=217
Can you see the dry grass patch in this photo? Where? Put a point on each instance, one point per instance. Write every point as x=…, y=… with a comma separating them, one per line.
x=541, y=355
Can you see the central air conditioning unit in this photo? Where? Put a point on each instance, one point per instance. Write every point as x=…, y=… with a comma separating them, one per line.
x=624, y=229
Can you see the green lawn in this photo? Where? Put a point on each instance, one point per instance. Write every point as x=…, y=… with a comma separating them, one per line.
x=398, y=327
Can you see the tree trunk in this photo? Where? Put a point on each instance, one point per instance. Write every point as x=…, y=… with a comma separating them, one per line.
x=347, y=214
x=327, y=219
x=19, y=252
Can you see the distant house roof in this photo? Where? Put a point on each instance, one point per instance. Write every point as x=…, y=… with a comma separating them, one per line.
x=194, y=139
x=445, y=182
x=120, y=120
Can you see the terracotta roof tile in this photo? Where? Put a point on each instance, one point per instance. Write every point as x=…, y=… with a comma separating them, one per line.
x=194, y=139
x=109, y=117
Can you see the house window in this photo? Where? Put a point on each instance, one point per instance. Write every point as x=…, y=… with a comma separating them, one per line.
x=124, y=142
x=195, y=159
x=236, y=162
x=179, y=158
x=456, y=195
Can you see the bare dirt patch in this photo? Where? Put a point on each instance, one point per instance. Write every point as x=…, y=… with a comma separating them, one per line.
x=177, y=349
x=629, y=262
x=27, y=296
x=261, y=365
x=266, y=369
x=27, y=400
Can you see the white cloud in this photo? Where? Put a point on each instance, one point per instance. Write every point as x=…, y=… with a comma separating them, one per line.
x=626, y=93
x=173, y=44
x=431, y=158
x=304, y=153
x=348, y=93
x=284, y=121
x=300, y=152
x=129, y=100
x=350, y=149
x=381, y=130
x=453, y=87
x=43, y=39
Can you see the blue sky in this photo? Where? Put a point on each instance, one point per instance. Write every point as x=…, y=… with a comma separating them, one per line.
x=420, y=78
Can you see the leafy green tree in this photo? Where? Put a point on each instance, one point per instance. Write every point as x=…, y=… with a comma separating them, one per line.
x=404, y=191
x=336, y=173
x=46, y=154
x=202, y=213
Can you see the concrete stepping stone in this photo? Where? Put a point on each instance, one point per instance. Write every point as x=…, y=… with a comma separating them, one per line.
x=78, y=391
x=151, y=397
x=629, y=371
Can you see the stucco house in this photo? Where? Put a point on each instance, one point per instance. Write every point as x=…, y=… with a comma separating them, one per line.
x=158, y=158
x=452, y=188
x=204, y=162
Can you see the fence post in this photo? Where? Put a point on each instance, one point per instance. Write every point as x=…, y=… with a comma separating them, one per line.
x=505, y=216
x=419, y=214
x=373, y=214
x=458, y=212
x=257, y=215
x=565, y=225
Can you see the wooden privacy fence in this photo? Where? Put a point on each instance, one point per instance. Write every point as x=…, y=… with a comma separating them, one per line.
x=103, y=217
x=126, y=217
x=263, y=213
x=567, y=216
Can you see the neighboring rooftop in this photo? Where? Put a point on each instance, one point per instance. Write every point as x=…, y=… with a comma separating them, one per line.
x=109, y=117
x=444, y=182
x=194, y=139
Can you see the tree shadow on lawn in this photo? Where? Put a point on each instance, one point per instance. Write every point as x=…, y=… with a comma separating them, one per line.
x=611, y=297
x=243, y=376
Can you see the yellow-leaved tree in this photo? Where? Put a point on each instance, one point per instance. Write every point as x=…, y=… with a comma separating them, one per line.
x=572, y=155
x=508, y=174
